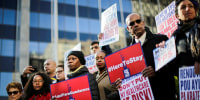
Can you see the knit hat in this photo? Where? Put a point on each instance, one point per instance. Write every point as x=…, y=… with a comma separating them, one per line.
x=195, y=3
x=78, y=54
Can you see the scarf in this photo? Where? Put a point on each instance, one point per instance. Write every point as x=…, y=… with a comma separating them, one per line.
x=193, y=27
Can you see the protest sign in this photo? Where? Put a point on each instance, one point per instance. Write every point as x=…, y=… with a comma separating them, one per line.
x=189, y=84
x=125, y=63
x=164, y=55
x=166, y=21
x=136, y=88
x=76, y=48
x=109, y=26
x=91, y=63
x=71, y=89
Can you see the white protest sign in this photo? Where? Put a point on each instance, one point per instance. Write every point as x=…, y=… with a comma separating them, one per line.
x=109, y=26
x=164, y=55
x=76, y=48
x=91, y=63
x=166, y=20
x=136, y=88
x=189, y=84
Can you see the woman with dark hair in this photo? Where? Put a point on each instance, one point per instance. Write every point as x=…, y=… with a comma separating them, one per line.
x=14, y=90
x=187, y=36
x=106, y=90
x=76, y=62
x=37, y=87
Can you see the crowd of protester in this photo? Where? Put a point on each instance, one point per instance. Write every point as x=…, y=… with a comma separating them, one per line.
x=35, y=84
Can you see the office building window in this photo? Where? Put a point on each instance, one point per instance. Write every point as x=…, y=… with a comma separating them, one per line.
x=9, y=17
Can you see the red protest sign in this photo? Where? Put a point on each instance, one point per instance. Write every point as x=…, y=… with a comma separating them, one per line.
x=71, y=89
x=125, y=63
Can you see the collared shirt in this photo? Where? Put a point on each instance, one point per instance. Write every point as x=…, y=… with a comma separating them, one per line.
x=141, y=39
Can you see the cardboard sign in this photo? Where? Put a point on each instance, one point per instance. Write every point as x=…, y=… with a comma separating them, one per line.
x=162, y=56
x=125, y=63
x=189, y=84
x=71, y=89
x=166, y=20
x=91, y=63
x=136, y=88
x=109, y=26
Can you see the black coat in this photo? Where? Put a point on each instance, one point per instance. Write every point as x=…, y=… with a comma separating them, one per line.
x=93, y=84
x=183, y=45
x=162, y=84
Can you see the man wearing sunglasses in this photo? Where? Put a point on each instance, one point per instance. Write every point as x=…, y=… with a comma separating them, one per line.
x=162, y=82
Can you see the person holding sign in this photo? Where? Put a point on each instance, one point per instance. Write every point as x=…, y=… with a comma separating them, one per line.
x=76, y=62
x=95, y=46
x=106, y=90
x=162, y=82
x=37, y=87
x=187, y=36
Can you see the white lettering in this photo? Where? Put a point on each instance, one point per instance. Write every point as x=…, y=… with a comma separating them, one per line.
x=125, y=63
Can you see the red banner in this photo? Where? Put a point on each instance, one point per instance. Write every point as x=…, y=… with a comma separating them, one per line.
x=73, y=89
x=125, y=63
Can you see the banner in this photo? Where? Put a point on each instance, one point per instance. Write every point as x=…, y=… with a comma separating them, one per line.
x=71, y=89
x=136, y=87
x=91, y=63
x=166, y=20
x=189, y=84
x=125, y=63
x=162, y=56
x=109, y=26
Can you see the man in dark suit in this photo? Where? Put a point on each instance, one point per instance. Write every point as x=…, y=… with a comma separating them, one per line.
x=162, y=82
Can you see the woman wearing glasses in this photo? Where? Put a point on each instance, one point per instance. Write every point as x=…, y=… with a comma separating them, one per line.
x=37, y=87
x=14, y=90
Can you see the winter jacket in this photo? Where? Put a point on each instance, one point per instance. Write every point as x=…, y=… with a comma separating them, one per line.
x=106, y=90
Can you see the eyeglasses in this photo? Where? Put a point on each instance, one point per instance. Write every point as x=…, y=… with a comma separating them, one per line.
x=14, y=92
x=39, y=81
x=60, y=71
x=96, y=47
x=133, y=22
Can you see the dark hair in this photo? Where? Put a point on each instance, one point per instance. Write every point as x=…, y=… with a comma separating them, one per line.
x=62, y=66
x=103, y=52
x=94, y=42
x=29, y=90
x=14, y=85
x=195, y=3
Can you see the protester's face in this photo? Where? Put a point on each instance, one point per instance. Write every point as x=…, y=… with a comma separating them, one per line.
x=14, y=94
x=135, y=25
x=100, y=60
x=49, y=66
x=60, y=75
x=95, y=48
x=73, y=62
x=37, y=82
x=186, y=10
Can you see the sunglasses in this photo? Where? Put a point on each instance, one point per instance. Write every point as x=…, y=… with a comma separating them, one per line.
x=14, y=92
x=133, y=22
